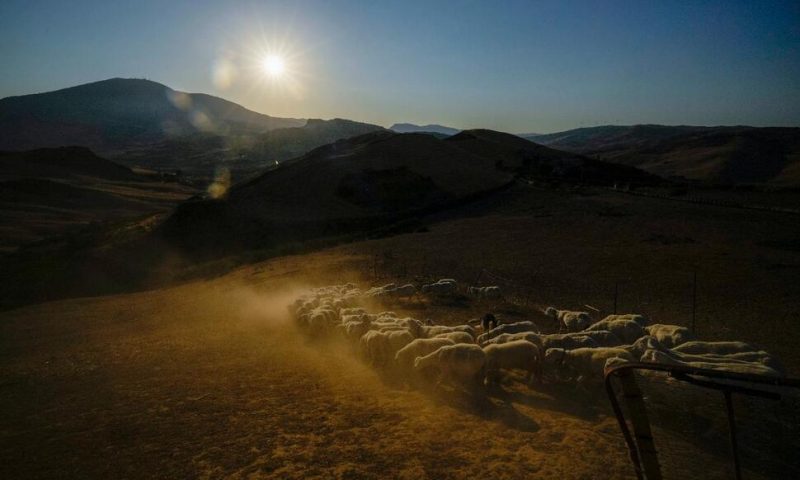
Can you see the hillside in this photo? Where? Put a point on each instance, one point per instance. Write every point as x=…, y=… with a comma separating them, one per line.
x=286, y=143
x=513, y=153
x=111, y=116
x=727, y=155
x=62, y=163
x=201, y=154
x=430, y=128
x=46, y=193
x=373, y=180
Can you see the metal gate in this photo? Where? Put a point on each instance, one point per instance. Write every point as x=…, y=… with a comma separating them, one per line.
x=683, y=422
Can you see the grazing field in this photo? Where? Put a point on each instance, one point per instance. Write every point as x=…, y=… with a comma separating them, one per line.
x=210, y=379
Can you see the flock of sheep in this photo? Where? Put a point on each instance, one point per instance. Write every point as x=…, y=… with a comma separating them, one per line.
x=459, y=355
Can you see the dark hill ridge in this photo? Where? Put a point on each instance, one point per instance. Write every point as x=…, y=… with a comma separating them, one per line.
x=513, y=153
x=286, y=143
x=61, y=163
x=113, y=115
x=201, y=154
x=728, y=155
x=430, y=128
x=366, y=182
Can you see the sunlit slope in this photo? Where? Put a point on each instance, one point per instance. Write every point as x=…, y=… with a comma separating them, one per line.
x=715, y=154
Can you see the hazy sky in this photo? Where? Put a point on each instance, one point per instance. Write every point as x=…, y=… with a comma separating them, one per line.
x=529, y=66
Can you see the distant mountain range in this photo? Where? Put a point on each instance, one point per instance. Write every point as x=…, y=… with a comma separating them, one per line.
x=114, y=115
x=432, y=128
x=372, y=180
x=729, y=155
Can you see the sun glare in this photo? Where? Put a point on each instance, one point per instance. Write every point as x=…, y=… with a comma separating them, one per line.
x=273, y=65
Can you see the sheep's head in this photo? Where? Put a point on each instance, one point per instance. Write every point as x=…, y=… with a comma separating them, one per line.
x=551, y=312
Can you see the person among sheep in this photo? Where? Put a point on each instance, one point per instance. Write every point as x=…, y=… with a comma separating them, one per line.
x=488, y=322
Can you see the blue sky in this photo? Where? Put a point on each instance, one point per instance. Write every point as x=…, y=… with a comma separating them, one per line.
x=528, y=66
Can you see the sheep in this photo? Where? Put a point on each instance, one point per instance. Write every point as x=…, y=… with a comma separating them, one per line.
x=488, y=293
x=588, y=363
x=669, y=335
x=717, y=348
x=353, y=331
x=461, y=364
x=508, y=328
x=571, y=321
x=319, y=321
x=404, y=358
x=565, y=341
x=760, y=357
x=433, y=330
x=625, y=329
x=657, y=356
x=603, y=338
x=456, y=337
x=642, y=320
x=443, y=287
x=377, y=348
x=407, y=290
x=517, y=354
x=511, y=337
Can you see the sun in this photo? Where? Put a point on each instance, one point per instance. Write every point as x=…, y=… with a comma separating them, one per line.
x=273, y=65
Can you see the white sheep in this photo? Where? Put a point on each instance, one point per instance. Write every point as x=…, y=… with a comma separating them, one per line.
x=444, y=287
x=404, y=358
x=516, y=327
x=642, y=320
x=433, y=330
x=517, y=354
x=492, y=292
x=407, y=290
x=657, y=356
x=571, y=321
x=603, y=338
x=587, y=363
x=511, y=337
x=669, y=335
x=457, y=337
x=378, y=348
x=625, y=329
x=458, y=364
x=718, y=348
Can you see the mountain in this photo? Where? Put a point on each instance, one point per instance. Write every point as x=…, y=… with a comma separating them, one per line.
x=432, y=128
x=372, y=181
x=112, y=116
x=727, y=155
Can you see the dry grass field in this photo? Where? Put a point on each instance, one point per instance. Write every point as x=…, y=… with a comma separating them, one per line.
x=209, y=379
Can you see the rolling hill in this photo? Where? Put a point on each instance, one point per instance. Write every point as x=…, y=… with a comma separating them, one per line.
x=115, y=115
x=720, y=155
x=46, y=193
x=61, y=163
x=373, y=180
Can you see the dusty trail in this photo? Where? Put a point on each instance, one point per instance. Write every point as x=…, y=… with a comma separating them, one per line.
x=209, y=380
